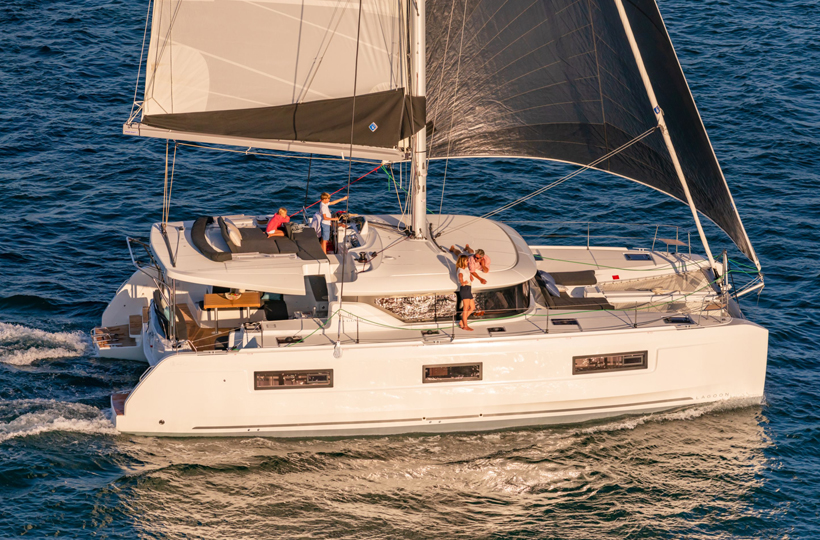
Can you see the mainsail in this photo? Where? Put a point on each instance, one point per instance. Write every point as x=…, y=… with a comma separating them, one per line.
x=281, y=74
x=543, y=79
x=556, y=79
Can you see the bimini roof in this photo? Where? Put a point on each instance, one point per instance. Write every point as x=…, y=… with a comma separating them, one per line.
x=277, y=273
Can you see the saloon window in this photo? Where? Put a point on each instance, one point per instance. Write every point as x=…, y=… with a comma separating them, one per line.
x=490, y=303
x=452, y=373
x=599, y=363
x=270, y=380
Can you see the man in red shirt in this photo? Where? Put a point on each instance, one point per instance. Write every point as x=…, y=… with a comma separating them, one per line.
x=277, y=221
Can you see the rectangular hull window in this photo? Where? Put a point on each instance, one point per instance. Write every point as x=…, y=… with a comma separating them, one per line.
x=452, y=373
x=609, y=362
x=274, y=380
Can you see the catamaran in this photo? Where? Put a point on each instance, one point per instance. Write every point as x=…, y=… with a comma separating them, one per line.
x=246, y=334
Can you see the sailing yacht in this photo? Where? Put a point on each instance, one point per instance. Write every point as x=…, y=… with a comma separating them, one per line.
x=245, y=334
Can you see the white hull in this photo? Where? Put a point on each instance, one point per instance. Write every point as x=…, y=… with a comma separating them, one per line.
x=378, y=389
x=631, y=332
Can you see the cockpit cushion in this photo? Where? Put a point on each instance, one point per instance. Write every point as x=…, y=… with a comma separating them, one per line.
x=200, y=241
x=253, y=240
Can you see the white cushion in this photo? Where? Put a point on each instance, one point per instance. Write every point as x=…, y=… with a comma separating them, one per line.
x=233, y=232
x=552, y=288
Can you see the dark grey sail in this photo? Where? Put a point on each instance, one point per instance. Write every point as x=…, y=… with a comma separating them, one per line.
x=556, y=79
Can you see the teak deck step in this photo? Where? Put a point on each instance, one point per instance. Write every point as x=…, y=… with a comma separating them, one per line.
x=106, y=337
x=118, y=403
x=203, y=338
x=135, y=325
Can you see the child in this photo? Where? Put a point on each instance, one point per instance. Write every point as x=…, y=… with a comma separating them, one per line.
x=465, y=292
x=327, y=218
x=277, y=221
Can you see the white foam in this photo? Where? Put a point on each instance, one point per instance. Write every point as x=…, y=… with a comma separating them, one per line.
x=21, y=345
x=683, y=414
x=55, y=416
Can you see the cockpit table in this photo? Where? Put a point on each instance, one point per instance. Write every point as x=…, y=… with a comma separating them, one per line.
x=218, y=301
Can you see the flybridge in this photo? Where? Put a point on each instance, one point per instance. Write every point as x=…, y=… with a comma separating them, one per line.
x=400, y=266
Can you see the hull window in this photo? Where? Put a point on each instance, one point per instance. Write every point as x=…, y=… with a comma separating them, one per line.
x=274, y=380
x=609, y=362
x=452, y=373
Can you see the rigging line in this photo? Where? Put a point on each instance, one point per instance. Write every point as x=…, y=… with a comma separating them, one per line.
x=307, y=187
x=574, y=173
x=560, y=180
x=338, y=190
x=349, y=169
x=398, y=197
x=165, y=185
x=452, y=107
x=139, y=67
x=264, y=154
x=171, y=188
x=320, y=55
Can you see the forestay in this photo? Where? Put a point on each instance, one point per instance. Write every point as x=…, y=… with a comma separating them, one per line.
x=556, y=79
x=266, y=73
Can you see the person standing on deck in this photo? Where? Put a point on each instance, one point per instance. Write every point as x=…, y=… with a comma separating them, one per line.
x=327, y=218
x=465, y=292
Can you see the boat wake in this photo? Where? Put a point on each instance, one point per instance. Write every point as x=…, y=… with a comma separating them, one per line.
x=21, y=345
x=36, y=416
x=688, y=413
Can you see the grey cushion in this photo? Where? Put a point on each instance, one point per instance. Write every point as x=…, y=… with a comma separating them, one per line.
x=310, y=249
x=581, y=304
x=201, y=243
x=583, y=277
x=285, y=245
x=253, y=241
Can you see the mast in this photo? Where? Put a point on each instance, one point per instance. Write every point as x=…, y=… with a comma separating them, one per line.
x=418, y=143
x=662, y=124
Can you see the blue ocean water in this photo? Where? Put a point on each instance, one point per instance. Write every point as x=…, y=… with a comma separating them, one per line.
x=73, y=187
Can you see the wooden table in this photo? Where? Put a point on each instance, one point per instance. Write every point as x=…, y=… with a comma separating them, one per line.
x=218, y=301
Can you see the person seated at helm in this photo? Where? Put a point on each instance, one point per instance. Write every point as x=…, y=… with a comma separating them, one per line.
x=277, y=221
x=477, y=261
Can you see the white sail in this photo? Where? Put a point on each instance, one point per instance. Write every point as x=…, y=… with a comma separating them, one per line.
x=270, y=69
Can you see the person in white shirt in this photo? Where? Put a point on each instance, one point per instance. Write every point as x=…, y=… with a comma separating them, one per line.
x=327, y=218
x=465, y=292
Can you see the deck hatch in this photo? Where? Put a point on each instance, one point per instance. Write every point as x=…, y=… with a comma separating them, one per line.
x=637, y=256
x=564, y=322
x=305, y=378
x=609, y=362
x=452, y=372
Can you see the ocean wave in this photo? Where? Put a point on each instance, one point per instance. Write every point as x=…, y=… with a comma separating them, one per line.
x=21, y=345
x=43, y=416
